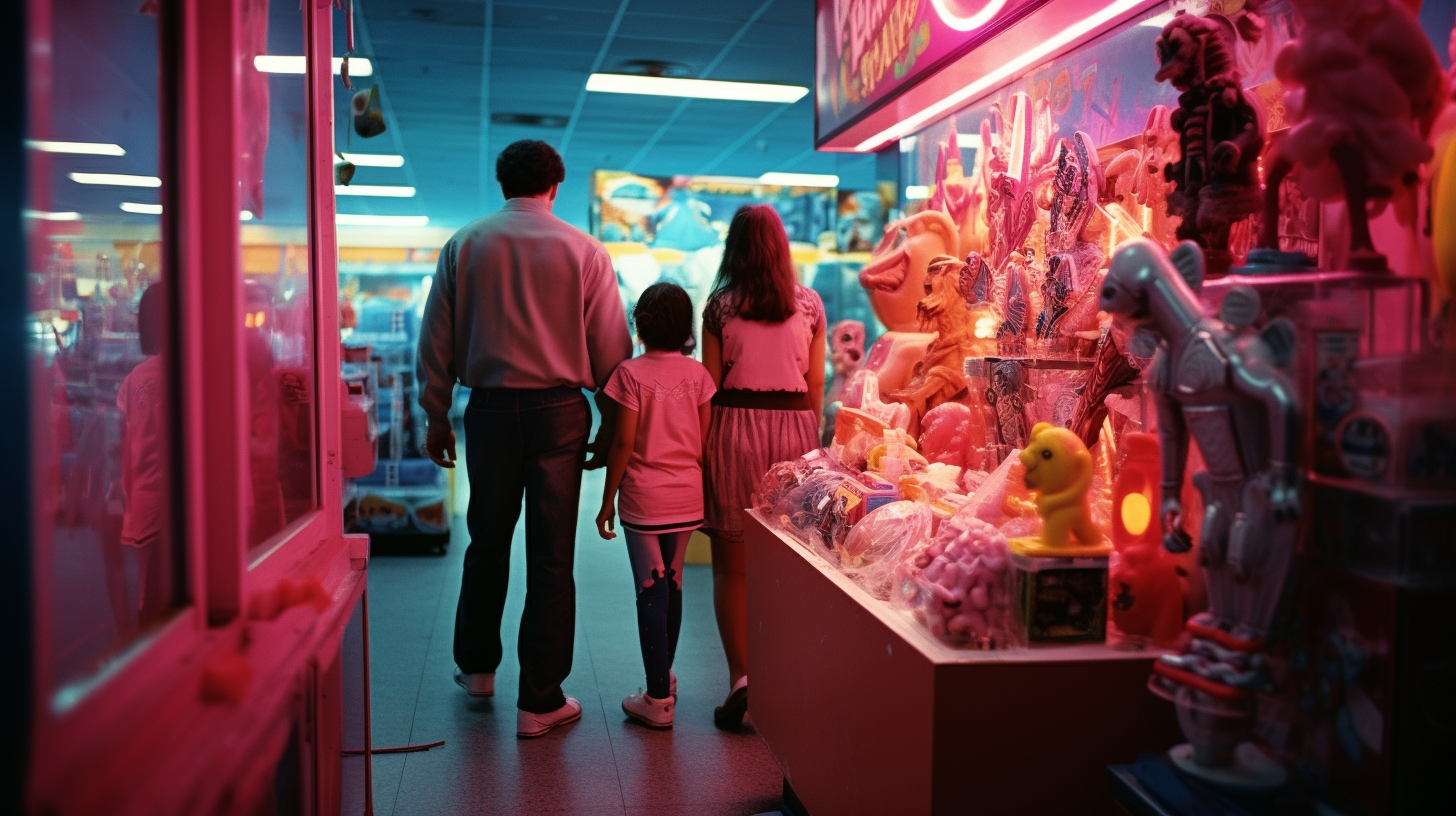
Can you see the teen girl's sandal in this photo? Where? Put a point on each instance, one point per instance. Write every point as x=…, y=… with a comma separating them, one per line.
x=730, y=714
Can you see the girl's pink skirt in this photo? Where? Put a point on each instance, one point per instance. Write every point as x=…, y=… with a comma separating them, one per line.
x=742, y=444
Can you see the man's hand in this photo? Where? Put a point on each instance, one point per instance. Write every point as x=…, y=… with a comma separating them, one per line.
x=596, y=453
x=604, y=522
x=440, y=447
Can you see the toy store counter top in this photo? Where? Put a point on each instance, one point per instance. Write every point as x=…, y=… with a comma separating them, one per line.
x=866, y=712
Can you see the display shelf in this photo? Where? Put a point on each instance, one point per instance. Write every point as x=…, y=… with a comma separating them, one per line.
x=866, y=712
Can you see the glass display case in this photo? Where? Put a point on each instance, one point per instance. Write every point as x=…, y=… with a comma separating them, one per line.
x=405, y=502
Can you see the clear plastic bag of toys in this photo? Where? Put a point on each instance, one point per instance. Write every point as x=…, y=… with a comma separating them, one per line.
x=960, y=585
x=872, y=552
x=783, y=477
x=815, y=511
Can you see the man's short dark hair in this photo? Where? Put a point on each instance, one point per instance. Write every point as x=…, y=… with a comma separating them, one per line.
x=528, y=167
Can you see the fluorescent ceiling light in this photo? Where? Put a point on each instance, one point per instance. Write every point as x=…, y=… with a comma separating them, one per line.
x=374, y=190
x=374, y=159
x=695, y=88
x=352, y=220
x=917, y=192
x=990, y=80
x=156, y=209
x=800, y=179
x=969, y=141
x=41, y=215
x=116, y=179
x=78, y=148
x=275, y=64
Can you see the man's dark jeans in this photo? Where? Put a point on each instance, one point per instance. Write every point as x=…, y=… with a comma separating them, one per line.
x=531, y=443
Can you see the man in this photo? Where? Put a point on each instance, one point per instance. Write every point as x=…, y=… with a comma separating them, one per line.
x=525, y=312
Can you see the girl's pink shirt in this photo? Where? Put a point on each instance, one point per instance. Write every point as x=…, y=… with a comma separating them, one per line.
x=663, y=483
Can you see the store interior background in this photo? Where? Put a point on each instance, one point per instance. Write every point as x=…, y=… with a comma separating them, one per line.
x=458, y=81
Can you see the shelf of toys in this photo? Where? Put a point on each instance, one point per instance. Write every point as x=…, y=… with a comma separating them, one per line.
x=406, y=500
x=859, y=675
x=1153, y=387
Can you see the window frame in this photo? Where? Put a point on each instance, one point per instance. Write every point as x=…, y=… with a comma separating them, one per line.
x=125, y=728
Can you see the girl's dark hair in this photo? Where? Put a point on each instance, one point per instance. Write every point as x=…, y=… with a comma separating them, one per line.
x=757, y=266
x=664, y=317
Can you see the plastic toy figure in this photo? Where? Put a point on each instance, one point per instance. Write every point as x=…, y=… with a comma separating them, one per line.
x=977, y=284
x=1220, y=131
x=1137, y=175
x=1018, y=301
x=1059, y=471
x=1111, y=370
x=1372, y=88
x=940, y=377
x=1225, y=389
x=846, y=356
x=895, y=278
x=1008, y=396
x=1019, y=161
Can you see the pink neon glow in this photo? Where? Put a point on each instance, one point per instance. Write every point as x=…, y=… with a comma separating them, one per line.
x=1047, y=48
x=954, y=13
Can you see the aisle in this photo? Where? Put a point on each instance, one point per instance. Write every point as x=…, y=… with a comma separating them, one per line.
x=604, y=764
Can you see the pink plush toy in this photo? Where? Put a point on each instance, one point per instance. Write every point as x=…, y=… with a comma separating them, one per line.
x=946, y=434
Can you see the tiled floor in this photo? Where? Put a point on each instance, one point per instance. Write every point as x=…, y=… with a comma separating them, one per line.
x=604, y=764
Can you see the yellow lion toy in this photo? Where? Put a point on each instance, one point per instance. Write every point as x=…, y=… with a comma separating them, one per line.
x=1059, y=472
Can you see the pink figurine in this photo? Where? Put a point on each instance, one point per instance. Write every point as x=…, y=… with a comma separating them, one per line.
x=1369, y=89
x=846, y=356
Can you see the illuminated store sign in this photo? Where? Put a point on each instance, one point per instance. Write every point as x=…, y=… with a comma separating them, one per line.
x=868, y=50
x=886, y=68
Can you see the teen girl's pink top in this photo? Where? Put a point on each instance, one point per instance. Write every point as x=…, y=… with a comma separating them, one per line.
x=775, y=356
x=662, y=488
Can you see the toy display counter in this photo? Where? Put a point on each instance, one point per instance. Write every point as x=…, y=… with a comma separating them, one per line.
x=866, y=712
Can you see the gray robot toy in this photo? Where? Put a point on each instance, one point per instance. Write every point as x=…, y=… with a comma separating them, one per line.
x=1225, y=388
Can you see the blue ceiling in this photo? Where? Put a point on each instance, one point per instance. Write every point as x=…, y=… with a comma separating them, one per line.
x=444, y=66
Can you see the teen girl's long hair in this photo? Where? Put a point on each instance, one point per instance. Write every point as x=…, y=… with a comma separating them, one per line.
x=757, y=267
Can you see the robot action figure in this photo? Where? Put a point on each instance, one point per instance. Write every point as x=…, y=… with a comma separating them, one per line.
x=1225, y=389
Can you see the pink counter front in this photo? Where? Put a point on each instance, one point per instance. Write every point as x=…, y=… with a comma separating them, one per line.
x=866, y=712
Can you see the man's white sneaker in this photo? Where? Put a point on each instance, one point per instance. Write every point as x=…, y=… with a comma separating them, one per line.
x=648, y=710
x=476, y=685
x=534, y=725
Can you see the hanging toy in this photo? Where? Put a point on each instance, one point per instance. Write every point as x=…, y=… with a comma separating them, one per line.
x=368, y=115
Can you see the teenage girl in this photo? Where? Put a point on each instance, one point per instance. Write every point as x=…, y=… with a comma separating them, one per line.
x=655, y=464
x=763, y=344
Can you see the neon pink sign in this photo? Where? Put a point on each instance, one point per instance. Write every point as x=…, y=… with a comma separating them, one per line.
x=868, y=51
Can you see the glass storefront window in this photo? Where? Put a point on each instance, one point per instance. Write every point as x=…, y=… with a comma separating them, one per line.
x=100, y=336
x=278, y=314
